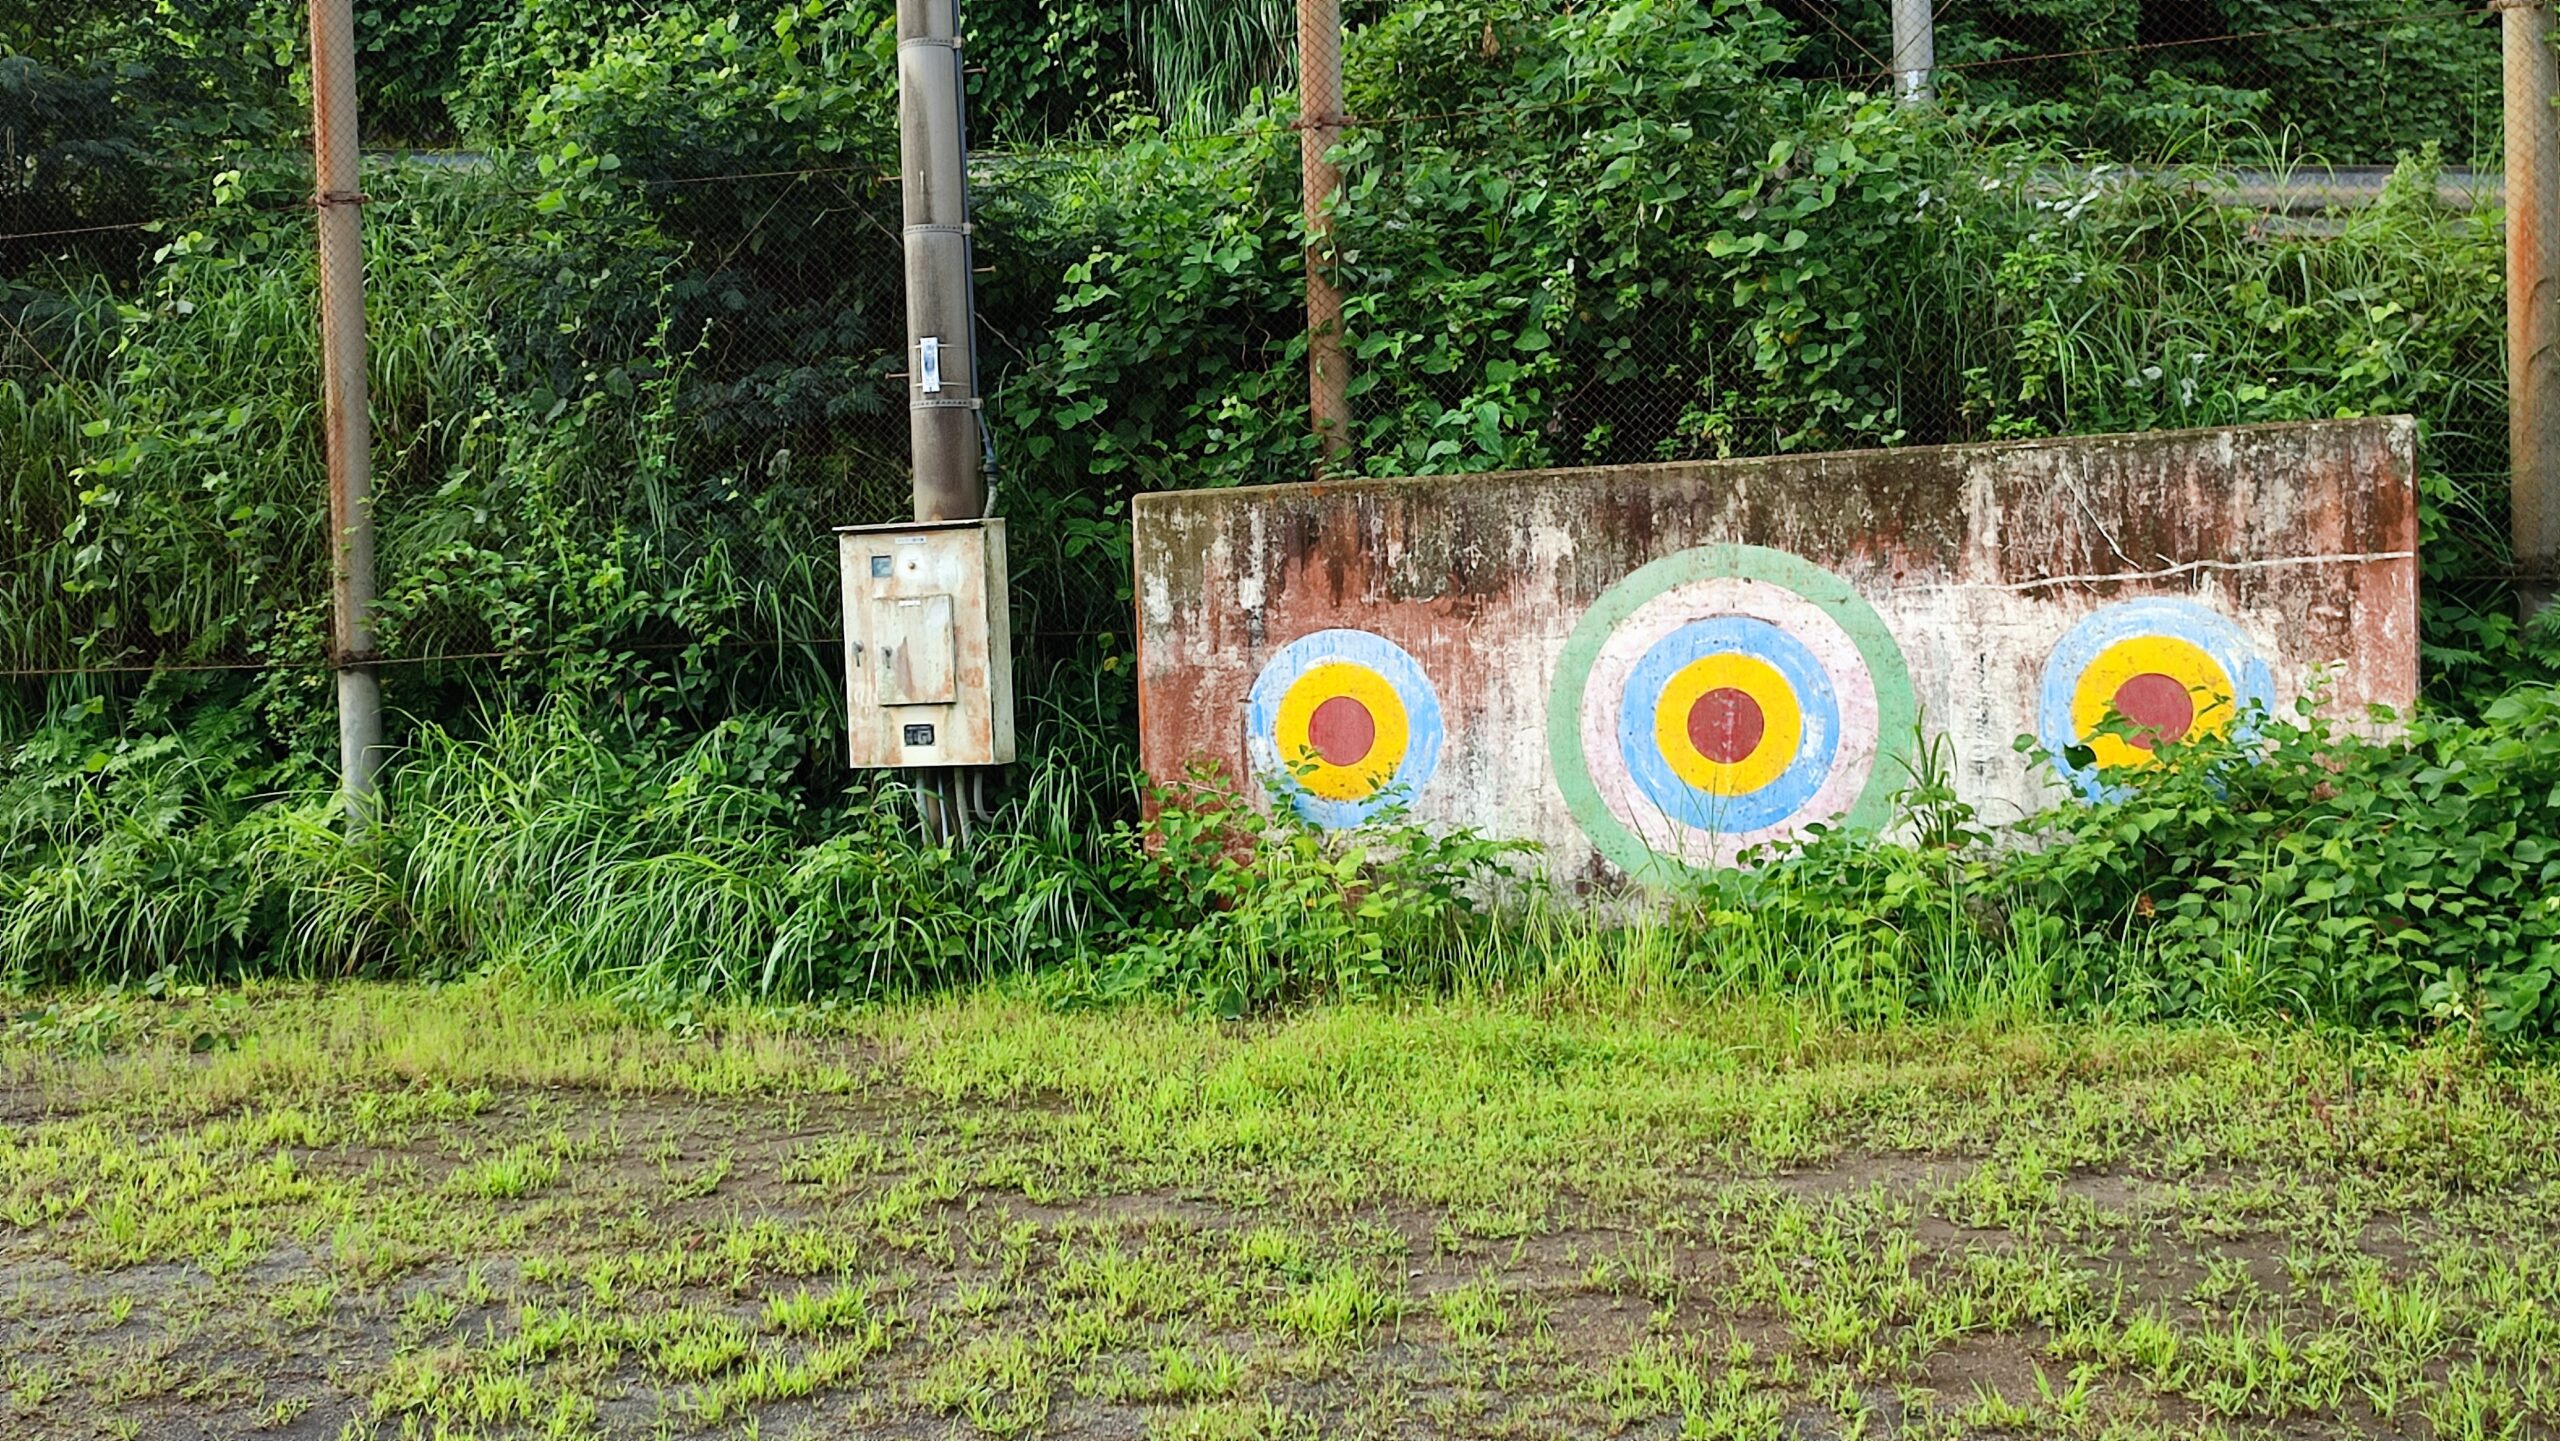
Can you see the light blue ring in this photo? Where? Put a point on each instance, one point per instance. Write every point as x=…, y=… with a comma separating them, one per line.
x=2253, y=684
x=1424, y=730
x=1786, y=793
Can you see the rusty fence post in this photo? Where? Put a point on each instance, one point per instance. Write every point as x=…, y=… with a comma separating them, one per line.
x=2533, y=295
x=337, y=196
x=1319, y=131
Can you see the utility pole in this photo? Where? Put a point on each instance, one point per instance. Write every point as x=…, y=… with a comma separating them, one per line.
x=2533, y=295
x=942, y=312
x=1915, y=50
x=338, y=197
x=1319, y=131
x=942, y=345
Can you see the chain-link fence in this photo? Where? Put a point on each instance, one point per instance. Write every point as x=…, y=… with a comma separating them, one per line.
x=2352, y=82
x=632, y=367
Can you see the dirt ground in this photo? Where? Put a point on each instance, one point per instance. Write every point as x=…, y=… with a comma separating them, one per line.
x=407, y=1213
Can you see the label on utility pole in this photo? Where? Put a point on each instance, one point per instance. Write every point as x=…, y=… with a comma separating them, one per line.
x=929, y=364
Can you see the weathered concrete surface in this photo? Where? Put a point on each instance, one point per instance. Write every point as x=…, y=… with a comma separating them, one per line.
x=1979, y=561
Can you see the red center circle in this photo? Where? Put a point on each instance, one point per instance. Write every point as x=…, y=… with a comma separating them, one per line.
x=2159, y=707
x=1342, y=731
x=1726, y=725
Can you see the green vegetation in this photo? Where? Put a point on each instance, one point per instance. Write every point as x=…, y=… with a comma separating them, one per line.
x=2129, y=75
x=637, y=353
x=389, y=1211
x=2401, y=886
x=2216, y=1109
x=2305, y=874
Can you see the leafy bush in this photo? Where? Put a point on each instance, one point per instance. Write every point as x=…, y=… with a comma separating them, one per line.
x=740, y=158
x=679, y=384
x=1240, y=909
x=79, y=164
x=2315, y=874
x=2132, y=76
x=1590, y=278
x=2391, y=883
x=1045, y=66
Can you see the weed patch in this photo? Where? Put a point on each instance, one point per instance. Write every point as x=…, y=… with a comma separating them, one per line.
x=1465, y=1217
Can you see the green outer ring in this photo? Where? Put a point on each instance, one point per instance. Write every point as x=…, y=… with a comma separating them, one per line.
x=1897, y=705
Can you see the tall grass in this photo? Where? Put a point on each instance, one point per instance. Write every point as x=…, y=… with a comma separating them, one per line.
x=153, y=859
x=552, y=848
x=1203, y=61
x=2334, y=880
x=544, y=849
x=162, y=451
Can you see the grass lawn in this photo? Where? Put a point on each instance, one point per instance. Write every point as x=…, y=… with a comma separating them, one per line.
x=397, y=1211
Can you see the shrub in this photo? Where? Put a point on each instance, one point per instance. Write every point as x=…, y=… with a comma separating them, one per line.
x=2314, y=874
x=174, y=844
x=1238, y=910
x=2367, y=882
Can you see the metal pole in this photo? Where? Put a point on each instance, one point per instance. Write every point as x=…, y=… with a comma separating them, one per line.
x=1915, y=50
x=1319, y=131
x=942, y=344
x=2533, y=295
x=942, y=349
x=338, y=197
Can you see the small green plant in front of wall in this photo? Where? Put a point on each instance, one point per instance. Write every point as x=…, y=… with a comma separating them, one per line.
x=1240, y=908
x=2293, y=868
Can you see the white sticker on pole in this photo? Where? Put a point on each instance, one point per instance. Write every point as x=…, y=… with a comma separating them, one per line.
x=929, y=364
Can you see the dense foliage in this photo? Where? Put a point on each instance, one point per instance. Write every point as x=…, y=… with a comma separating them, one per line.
x=637, y=353
x=2352, y=81
x=2310, y=873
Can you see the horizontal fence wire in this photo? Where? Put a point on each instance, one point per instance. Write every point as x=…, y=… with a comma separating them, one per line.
x=829, y=645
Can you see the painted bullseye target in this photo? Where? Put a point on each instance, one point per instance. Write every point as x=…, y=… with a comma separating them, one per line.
x=1721, y=699
x=2173, y=669
x=1752, y=681
x=1345, y=723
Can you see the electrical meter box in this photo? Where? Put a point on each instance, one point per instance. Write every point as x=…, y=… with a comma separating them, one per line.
x=928, y=644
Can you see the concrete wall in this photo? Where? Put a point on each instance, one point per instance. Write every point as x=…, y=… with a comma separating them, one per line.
x=1650, y=667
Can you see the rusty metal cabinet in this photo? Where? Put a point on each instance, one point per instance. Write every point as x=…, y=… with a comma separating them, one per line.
x=928, y=644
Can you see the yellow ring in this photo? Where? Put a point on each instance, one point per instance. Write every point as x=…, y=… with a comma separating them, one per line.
x=1782, y=722
x=1369, y=774
x=2208, y=686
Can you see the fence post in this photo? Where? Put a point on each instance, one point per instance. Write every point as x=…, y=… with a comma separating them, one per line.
x=1319, y=131
x=2533, y=295
x=1915, y=49
x=338, y=198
